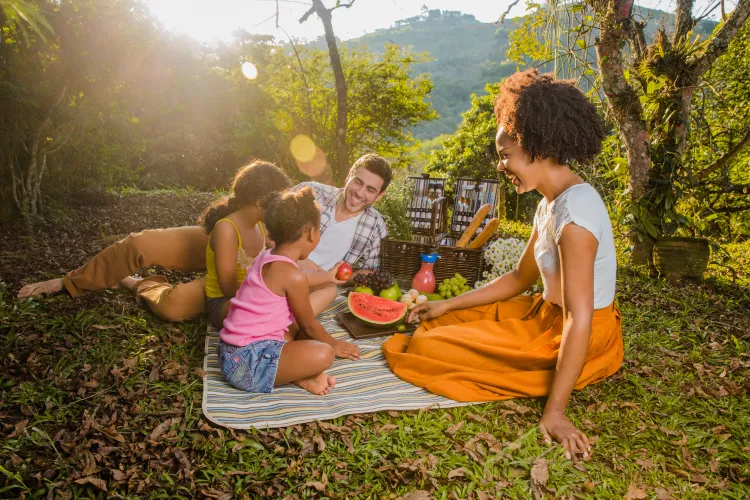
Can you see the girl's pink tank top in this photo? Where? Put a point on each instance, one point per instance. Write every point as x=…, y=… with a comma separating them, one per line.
x=255, y=312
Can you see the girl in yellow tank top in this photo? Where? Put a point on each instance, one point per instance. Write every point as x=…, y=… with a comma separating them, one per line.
x=237, y=236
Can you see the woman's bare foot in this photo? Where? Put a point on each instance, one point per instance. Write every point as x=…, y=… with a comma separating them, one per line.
x=130, y=282
x=49, y=287
x=319, y=384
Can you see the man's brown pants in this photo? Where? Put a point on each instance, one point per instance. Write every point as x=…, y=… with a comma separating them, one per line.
x=177, y=248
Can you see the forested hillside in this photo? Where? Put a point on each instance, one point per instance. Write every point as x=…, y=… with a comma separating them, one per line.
x=466, y=54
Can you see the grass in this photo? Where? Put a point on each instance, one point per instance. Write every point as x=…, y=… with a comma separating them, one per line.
x=100, y=398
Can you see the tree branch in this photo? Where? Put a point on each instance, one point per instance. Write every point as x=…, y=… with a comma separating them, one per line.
x=683, y=21
x=727, y=210
x=307, y=15
x=501, y=19
x=720, y=41
x=721, y=162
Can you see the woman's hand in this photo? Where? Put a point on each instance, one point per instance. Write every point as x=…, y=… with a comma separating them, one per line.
x=555, y=425
x=344, y=349
x=429, y=310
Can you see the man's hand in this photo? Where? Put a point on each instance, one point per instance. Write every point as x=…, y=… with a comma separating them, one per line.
x=344, y=349
x=429, y=310
x=555, y=425
x=331, y=275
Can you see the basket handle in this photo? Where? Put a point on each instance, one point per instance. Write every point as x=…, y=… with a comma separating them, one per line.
x=438, y=205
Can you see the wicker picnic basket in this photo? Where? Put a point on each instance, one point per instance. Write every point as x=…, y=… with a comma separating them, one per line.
x=402, y=258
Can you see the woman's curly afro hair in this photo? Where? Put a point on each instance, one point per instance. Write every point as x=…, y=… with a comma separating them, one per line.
x=550, y=118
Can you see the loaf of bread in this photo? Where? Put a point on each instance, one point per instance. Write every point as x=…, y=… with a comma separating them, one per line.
x=474, y=225
x=486, y=234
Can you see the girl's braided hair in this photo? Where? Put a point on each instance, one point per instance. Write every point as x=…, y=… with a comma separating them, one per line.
x=251, y=184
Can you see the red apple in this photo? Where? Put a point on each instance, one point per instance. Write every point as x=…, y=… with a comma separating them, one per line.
x=344, y=272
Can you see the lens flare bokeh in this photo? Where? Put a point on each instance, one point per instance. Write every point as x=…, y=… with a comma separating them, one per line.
x=303, y=148
x=314, y=167
x=249, y=70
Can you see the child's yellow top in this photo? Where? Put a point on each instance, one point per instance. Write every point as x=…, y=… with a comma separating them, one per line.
x=213, y=290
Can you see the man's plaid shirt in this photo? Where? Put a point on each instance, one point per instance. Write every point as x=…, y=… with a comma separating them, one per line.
x=371, y=229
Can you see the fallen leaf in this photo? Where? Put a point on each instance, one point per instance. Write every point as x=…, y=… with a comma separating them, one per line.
x=99, y=483
x=663, y=494
x=91, y=384
x=184, y=462
x=200, y=372
x=635, y=492
x=478, y=419
x=518, y=408
x=319, y=442
x=416, y=495
x=646, y=463
x=460, y=472
x=387, y=428
x=348, y=443
x=315, y=484
x=162, y=428
x=539, y=477
x=117, y=475
x=19, y=427
x=452, y=430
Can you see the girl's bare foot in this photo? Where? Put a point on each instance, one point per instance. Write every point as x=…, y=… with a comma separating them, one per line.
x=130, y=282
x=319, y=384
x=49, y=287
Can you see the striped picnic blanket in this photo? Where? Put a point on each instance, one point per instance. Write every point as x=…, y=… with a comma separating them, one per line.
x=363, y=386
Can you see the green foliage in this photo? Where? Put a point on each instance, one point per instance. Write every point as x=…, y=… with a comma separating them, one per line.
x=19, y=13
x=720, y=121
x=384, y=102
x=394, y=206
x=172, y=112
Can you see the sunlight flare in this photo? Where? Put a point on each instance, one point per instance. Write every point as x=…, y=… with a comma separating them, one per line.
x=249, y=70
x=303, y=148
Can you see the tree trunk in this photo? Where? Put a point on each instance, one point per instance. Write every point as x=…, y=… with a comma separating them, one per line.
x=341, y=164
x=625, y=106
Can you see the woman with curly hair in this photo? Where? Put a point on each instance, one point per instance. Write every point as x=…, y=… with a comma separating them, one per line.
x=494, y=343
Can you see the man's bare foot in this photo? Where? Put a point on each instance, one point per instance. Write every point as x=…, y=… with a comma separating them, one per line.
x=130, y=282
x=319, y=384
x=49, y=287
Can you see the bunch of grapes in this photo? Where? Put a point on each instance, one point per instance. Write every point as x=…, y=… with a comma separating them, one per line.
x=452, y=287
x=378, y=280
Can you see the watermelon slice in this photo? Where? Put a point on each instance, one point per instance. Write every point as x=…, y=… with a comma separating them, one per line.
x=376, y=310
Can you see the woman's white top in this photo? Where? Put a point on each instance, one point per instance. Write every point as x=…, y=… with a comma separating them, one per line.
x=580, y=204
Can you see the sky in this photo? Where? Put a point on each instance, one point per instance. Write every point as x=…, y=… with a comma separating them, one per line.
x=206, y=21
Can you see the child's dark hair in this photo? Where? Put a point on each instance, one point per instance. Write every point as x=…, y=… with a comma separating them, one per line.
x=550, y=118
x=251, y=184
x=289, y=214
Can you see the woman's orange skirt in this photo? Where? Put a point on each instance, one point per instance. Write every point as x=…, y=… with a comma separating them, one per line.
x=500, y=351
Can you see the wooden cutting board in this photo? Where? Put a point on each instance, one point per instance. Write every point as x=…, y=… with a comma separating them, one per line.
x=361, y=330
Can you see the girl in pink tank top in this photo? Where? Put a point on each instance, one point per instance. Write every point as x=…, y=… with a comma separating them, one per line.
x=270, y=335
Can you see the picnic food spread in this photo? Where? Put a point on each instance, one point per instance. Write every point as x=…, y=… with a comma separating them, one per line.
x=377, y=300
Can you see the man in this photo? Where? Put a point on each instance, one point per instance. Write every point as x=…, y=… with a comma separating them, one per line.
x=351, y=230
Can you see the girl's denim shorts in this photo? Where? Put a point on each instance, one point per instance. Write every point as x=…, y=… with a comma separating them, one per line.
x=253, y=367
